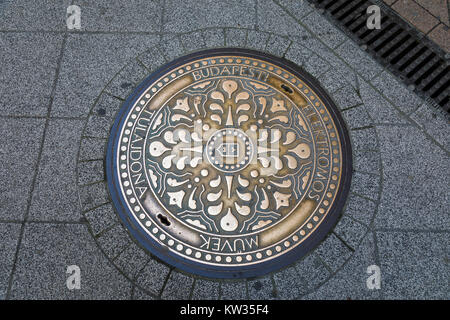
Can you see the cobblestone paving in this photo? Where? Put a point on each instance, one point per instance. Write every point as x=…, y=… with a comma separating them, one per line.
x=60, y=91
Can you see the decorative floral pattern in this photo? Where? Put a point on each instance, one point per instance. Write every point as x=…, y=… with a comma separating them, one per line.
x=229, y=156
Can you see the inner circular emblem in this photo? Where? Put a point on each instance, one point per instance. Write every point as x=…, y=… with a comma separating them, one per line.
x=229, y=150
x=229, y=163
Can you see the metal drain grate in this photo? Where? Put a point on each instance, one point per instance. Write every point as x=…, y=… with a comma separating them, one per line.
x=403, y=50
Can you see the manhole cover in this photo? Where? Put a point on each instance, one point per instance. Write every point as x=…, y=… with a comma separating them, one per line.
x=229, y=163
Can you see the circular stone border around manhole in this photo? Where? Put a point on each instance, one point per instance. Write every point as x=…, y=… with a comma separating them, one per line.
x=351, y=93
x=289, y=76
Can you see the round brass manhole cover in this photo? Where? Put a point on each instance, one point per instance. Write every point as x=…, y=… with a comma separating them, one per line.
x=229, y=163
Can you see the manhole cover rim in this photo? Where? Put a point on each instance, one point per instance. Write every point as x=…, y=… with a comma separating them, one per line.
x=241, y=271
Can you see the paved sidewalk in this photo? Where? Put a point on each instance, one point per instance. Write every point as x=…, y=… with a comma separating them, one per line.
x=431, y=17
x=60, y=90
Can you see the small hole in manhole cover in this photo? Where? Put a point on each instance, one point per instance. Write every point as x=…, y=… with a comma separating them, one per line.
x=229, y=163
x=163, y=220
x=287, y=89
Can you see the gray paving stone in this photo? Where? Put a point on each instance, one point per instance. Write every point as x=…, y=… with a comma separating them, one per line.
x=395, y=91
x=29, y=62
x=178, y=286
x=205, y=290
x=367, y=161
x=350, y=231
x=379, y=108
x=10, y=236
x=356, y=117
x=152, y=59
x=257, y=40
x=433, y=123
x=193, y=41
x=364, y=139
x=367, y=185
x=93, y=195
x=191, y=15
x=90, y=172
x=214, y=38
x=277, y=45
x=316, y=66
x=261, y=289
x=89, y=62
x=101, y=218
x=235, y=37
x=298, y=8
x=415, y=188
x=132, y=260
x=289, y=284
x=346, y=97
x=333, y=80
x=414, y=265
x=321, y=28
x=18, y=164
x=127, y=79
x=55, y=193
x=273, y=18
x=92, y=149
x=139, y=294
x=312, y=270
x=348, y=75
x=298, y=53
x=33, y=15
x=153, y=276
x=333, y=252
x=104, y=15
x=337, y=63
x=359, y=60
x=98, y=126
x=46, y=252
x=114, y=241
x=349, y=283
x=171, y=47
x=360, y=208
x=106, y=106
x=102, y=116
x=233, y=290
